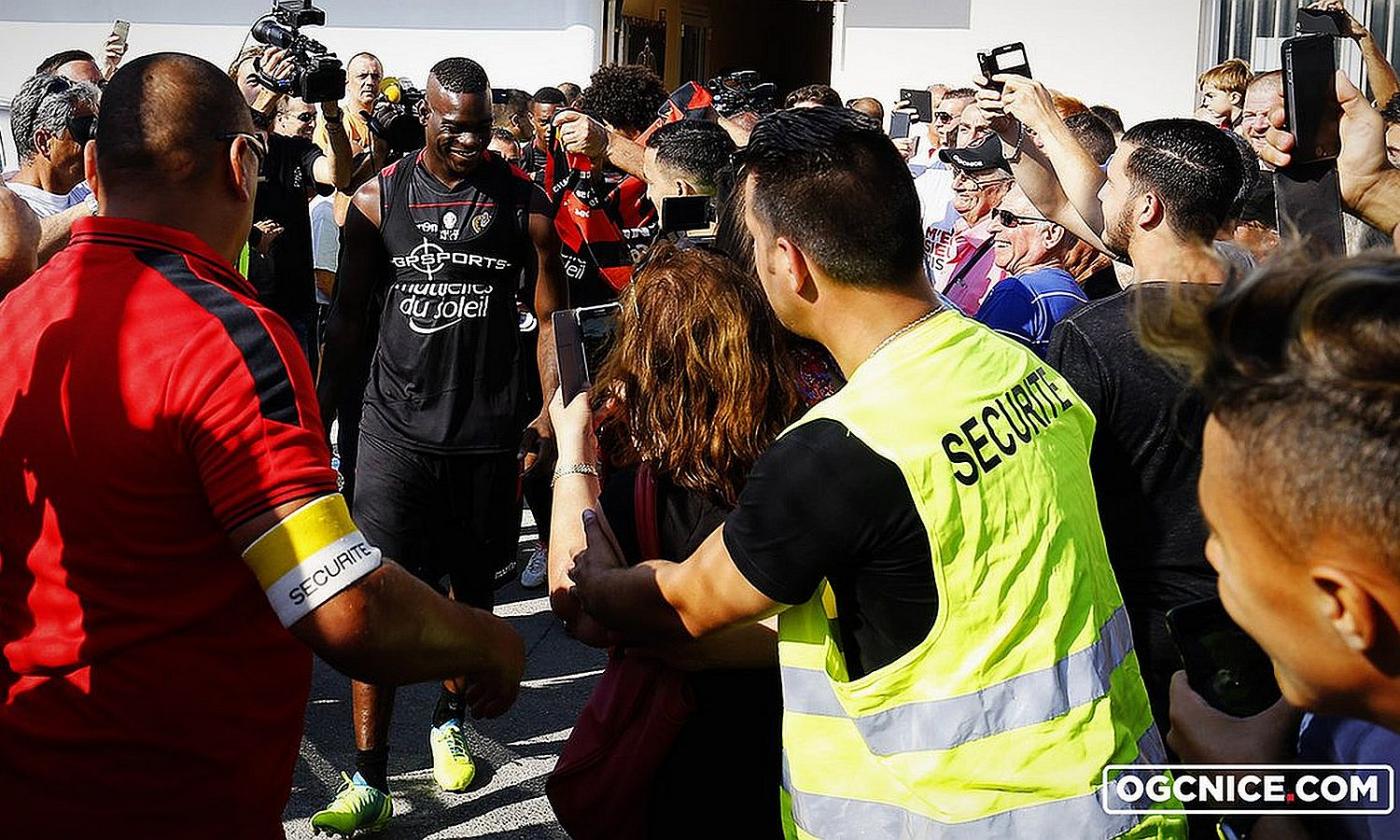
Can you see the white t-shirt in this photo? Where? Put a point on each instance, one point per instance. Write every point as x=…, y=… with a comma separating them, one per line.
x=934, y=184
x=325, y=239
x=45, y=204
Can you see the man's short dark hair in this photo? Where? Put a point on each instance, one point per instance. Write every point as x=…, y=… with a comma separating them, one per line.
x=57, y=60
x=499, y=133
x=1192, y=167
x=818, y=94
x=626, y=96
x=161, y=119
x=959, y=93
x=570, y=90
x=1093, y=134
x=698, y=149
x=1250, y=175
x=548, y=96
x=1391, y=111
x=831, y=181
x=1110, y=116
x=461, y=75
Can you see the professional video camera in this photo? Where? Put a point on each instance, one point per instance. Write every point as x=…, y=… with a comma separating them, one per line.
x=319, y=76
x=395, y=118
x=743, y=91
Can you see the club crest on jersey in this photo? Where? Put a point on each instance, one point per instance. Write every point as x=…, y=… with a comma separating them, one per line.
x=481, y=220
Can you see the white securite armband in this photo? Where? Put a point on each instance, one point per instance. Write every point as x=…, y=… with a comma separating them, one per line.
x=310, y=557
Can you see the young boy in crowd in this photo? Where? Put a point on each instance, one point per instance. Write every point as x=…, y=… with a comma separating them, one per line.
x=1222, y=93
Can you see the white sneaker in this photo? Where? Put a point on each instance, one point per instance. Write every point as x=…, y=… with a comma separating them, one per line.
x=536, y=568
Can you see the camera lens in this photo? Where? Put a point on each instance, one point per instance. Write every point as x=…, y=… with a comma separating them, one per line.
x=270, y=32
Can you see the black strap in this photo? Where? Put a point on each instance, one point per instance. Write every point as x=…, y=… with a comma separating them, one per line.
x=970, y=262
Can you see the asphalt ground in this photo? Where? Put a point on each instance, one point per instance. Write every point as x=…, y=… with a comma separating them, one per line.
x=514, y=754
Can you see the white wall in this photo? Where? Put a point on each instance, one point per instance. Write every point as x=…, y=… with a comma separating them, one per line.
x=1137, y=55
x=521, y=44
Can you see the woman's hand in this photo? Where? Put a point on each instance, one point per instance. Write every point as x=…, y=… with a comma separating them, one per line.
x=573, y=429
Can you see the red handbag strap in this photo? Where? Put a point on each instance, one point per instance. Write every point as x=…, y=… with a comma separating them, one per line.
x=644, y=502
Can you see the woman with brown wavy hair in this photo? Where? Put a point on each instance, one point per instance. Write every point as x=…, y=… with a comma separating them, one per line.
x=698, y=383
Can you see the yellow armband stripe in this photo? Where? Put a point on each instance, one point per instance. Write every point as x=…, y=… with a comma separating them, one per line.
x=309, y=557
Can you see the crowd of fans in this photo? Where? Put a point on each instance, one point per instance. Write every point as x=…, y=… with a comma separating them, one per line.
x=902, y=430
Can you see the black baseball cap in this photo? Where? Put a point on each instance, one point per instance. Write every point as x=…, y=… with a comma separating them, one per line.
x=983, y=155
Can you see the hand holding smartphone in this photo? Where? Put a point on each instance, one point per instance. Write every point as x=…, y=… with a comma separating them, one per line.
x=1223, y=664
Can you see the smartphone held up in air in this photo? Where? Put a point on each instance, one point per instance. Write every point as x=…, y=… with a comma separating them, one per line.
x=582, y=339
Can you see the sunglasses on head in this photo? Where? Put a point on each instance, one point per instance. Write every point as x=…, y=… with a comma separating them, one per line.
x=1008, y=219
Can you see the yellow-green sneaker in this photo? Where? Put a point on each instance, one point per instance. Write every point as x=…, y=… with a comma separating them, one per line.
x=357, y=807
x=452, y=766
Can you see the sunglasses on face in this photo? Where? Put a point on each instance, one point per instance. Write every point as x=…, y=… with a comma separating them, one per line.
x=256, y=143
x=306, y=117
x=82, y=129
x=942, y=117
x=1007, y=219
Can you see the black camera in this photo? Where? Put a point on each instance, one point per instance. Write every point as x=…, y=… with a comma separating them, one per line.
x=319, y=76
x=741, y=92
x=395, y=119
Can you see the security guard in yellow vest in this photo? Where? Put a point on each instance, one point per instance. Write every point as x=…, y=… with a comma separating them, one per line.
x=956, y=660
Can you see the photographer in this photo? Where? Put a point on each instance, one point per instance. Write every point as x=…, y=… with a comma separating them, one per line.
x=293, y=171
x=364, y=72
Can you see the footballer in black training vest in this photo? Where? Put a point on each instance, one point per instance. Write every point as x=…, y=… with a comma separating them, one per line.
x=433, y=252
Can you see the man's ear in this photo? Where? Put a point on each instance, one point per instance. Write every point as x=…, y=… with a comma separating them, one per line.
x=243, y=178
x=421, y=112
x=682, y=188
x=796, y=271
x=1054, y=235
x=1150, y=211
x=90, y=170
x=1236, y=99
x=42, y=139
x=1348, y=607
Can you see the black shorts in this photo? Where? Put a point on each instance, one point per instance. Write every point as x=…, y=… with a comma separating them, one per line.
x=440, y=516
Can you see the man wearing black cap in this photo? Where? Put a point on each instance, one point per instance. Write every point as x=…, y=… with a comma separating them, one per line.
x=958, y=249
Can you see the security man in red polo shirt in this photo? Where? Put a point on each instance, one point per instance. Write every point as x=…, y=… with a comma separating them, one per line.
x=167, y=509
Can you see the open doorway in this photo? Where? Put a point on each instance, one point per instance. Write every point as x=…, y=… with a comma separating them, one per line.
x=787, y=41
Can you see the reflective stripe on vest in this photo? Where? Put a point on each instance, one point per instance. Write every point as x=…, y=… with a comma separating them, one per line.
x=1035, y=697
x=839, y=817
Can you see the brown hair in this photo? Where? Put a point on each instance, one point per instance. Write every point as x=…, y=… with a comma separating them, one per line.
x=1231, y=75
x=699, y=381
x=1300, y=363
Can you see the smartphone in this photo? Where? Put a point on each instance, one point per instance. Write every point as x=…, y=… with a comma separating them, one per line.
x=500, y=96
x=1223, y=664
x=1321, y=22
x=687, y=212
x=121, y=29
x=920, y=100
x=899, y=124
x=1310, y=98
x=582, y=339
x=1009, y=58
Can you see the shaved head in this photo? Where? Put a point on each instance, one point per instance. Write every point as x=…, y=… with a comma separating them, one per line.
x=160, y=117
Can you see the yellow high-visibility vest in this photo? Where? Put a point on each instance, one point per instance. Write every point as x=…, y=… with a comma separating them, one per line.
x=1002, y=721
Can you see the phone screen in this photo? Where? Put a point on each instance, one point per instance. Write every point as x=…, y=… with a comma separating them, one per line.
x=686, y=212
x=597, y=326
x=899, y=124
x=1310, y=99
x=1012, y=59
x=1223, y=664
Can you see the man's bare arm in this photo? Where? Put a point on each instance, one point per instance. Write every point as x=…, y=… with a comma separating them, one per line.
x=390, y=628
x=336, y=168
x=363, y=261
x=20, y=233
x=55, y=230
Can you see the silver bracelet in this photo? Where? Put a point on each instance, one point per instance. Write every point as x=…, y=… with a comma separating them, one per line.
x=575, y=469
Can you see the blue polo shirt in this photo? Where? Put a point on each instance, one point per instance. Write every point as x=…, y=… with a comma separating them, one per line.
x=1026, y=308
